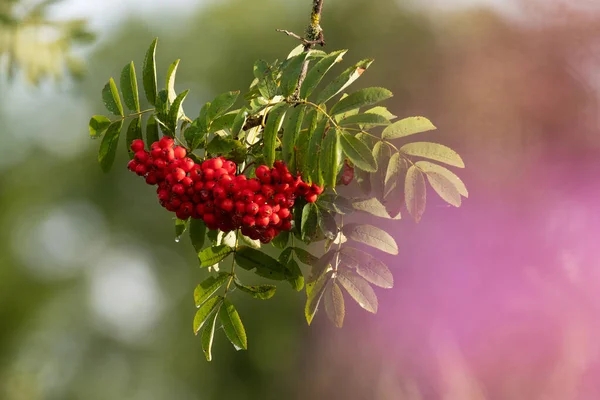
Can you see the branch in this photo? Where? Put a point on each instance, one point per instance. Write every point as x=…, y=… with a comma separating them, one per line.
x=314, y=36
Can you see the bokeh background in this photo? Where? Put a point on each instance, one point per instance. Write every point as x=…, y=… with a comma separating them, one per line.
x=495, y=300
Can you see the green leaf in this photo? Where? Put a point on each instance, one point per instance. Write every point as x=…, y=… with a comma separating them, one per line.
x=134, y=131
x=221, y=104
x=195, y=133
x=171, y=73
x=266, y=83
x=430, y=168
x=176, y=109
x=149, y=73
x=316, y=73
x=382, y=154
x=433, y=151
x=444, y=188
x=108, y=147
x=371, y=236
x=232, y=325
x=361, y=98
x=180, y=228
x=151, y=130
x=291, y=74
x=292, y=126
x=331, y=158
x=266, y=266
x=320, y=266
x=394, y=175
x=221, y=145
x=406, y=127
x=197, y=233
x=383, y=111
x=415, y=193
x=261, y=292
x=374, y=207
x=314, y=294
x=334, y=304
x=208, y=287
x=344, y=80
x=310, y=221
x=304, y=256
x=274, y=122
x=296, y=279
x=255, y=244
x=314, y=152
x=208, y=336
x=98, y=124
x=358, y=152
x=205, y=311
x=367, y=266
x=363, y=179
x=223, y=123
x=129, y=87
x=302, y=155
x=238, y=122
x=327, y=224
x=162, y=107
x=213, y=255
x=359, y=289
x=365, y=118
x=280, y=241
x=335, y=203
x=111, y=98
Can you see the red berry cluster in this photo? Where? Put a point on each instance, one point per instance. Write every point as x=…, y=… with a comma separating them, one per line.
x=214, y=192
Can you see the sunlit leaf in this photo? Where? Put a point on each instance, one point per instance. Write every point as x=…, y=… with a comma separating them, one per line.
x=205, y=311
x=213, y=255
x=310, y=221
x=176, y=109
x=171, y=73
x=108, y=146
x=316, y=73
x=232, y=325
x=359, y=289
x=111, y=98
x=344, y=80
x=331, y=158
x=98, y=124
x=433, y=151
x=334, y=304
x=274, y=122
x=394, y=175
x=266, y=83
x=208, y=287
x=430, y=168
x=371, y=236
x=407, y=126
x=382, y=154
x=367, y=266
x=238, y=122
x=314, y=294
x=296, y=278
x=444, y=188
x=415, y=193
x=149, y=73
x=374, y=207
x=265, y=265
x=304, y=256
x=208, y=336
x=320, y=266
x=261, y=292
x=292, y=126
x=364, y=118
x=361, y=98
x=129, y=87
x=358, y=152
x=221, y=104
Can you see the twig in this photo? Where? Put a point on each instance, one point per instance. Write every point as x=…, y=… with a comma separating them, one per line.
x=304, y=41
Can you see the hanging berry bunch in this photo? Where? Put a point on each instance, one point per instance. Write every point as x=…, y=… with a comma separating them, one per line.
x=273, y=185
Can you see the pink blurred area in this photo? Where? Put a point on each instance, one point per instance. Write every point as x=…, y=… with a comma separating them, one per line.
x=498, y=299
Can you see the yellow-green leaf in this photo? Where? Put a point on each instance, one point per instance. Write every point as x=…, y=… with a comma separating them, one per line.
x=371, y=236
x=358, y=152
x=232, y=325
x=314, y=294
x=274, y=122
x=334, y=304
x=205, y=311
x=367, y=266
x=171, y=73
x=149, y=73
x=98, y=124
x=316, y=73
x=361, y=98
x=261, y=292
x=129, y=87
x=415, y=193
x=213, y=255
x=111, y=98
x=429, y=167
x=407, y=126
x=344, y=80
x=208, y=336
x=108, y=147
x=359, y=289
x=433, y=151
x=374, y=207
x=208, y=287
x=134, y=131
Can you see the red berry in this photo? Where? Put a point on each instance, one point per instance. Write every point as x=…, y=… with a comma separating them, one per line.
x=287, y=178
x=279, y=165
x=209, y=174
x=178, y=189
x=175, y=203
x=262, y=221
x=279, y=199
x=241, y=179
x=252, y=209
x=317, y=189
x=151, y=179
x=209, y=219
x=267, y=190
x=224, y=179
x=196, y=173
x=230, y=166
x=253, y=184
x=284, y=213
x=259, y=199
x=132, y=165
x=240, y=207
x=286, y=225
x=137, y=145
x=227, y=205
x=248, y=221
x=198, y=186
x=168, y=154
x=210, y=185
x=263, y=173
x=217, y=163
x=276, y=208
x=205, y=194
x=178, y=174
x=275, y=176
x=265, y=210
x=187, y=182
x=141, y=170
x=166, y=142
x=156, y=152
x=187, y=164
x=247, y=195
x=311, y=197
x=219, y=192
x=275, y=220
x=160, y=163
x=179, y=152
